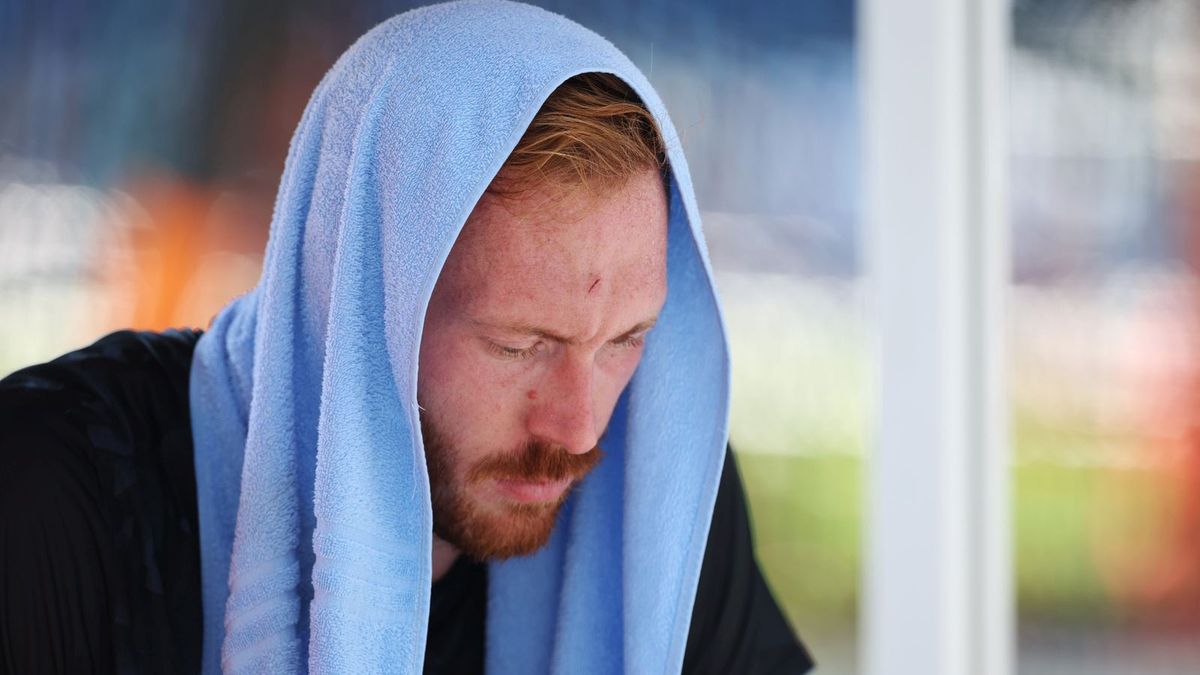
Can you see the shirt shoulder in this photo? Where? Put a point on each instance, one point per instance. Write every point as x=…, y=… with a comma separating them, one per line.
x=119, y=404
x=737, y=626
x=116, y=361
x=127, y=384
x=96, y=474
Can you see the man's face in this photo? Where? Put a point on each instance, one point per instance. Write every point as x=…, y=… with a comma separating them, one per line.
x=534, y=328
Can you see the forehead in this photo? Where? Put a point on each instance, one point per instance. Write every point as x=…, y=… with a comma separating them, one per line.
x=551, y=240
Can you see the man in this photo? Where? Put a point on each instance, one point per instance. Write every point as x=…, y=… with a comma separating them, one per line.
x=472, y=417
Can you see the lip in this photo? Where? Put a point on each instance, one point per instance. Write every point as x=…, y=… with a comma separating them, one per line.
x=532, y=492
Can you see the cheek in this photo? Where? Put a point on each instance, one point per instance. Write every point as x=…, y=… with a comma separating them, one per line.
x=478, y=399
x=619, y=363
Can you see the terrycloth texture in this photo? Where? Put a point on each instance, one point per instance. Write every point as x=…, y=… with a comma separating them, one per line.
x=313, y=492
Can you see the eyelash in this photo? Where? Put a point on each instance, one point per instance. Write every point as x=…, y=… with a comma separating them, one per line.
x=630, y=341
x=514, y=354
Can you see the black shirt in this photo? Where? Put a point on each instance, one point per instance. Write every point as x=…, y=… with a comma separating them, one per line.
x=99, y=545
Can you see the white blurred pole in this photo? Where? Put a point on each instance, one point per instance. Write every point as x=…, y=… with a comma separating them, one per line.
x=937, y=586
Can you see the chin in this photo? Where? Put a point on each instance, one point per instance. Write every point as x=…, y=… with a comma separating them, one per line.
x=500, y=530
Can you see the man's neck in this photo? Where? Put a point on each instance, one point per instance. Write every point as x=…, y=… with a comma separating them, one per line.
x=444, y=555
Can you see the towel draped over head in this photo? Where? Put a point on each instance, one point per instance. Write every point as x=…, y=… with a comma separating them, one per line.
x=315, y=517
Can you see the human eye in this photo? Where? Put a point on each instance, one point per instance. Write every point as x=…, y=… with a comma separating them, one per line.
x=510, y=353
x=632, y=340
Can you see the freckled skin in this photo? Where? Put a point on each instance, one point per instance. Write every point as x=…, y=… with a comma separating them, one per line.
x=536, y=260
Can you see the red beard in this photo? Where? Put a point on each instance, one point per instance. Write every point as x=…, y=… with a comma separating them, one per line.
x=495, y=531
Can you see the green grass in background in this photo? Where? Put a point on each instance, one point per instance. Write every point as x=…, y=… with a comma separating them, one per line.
x=808, y=523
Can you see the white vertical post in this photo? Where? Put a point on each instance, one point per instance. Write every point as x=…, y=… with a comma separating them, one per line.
x=937, y=587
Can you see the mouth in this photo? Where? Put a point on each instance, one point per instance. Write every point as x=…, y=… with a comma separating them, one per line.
x=532, y=492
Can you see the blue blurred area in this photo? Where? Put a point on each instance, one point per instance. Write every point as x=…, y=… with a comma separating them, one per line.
x=764, y=95
x=96, y=86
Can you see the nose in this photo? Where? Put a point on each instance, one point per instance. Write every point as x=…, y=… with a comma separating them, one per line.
x=564, y=414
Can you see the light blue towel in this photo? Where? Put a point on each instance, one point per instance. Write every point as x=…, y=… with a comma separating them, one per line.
x=315, y=519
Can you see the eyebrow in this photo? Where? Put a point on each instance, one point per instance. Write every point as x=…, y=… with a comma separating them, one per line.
x=546, y=334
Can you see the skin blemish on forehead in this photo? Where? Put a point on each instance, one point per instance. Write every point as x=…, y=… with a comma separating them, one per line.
x=531, y=394
x=594, y=285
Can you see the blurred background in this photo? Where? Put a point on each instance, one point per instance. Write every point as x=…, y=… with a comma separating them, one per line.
x=141, y=145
